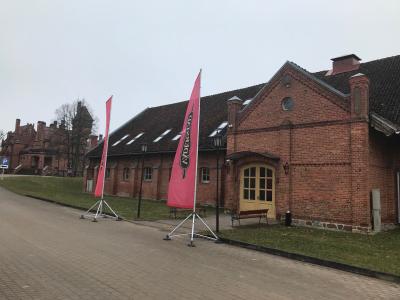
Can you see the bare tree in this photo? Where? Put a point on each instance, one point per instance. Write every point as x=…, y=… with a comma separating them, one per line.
x=78, y=123
x=2, y=136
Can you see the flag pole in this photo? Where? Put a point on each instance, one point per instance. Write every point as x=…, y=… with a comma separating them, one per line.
x=100, y=203
x=197, y=160
x=105, y=163
x=193, y=215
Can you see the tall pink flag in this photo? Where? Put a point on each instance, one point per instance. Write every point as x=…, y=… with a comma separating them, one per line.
x=182, y=184
x=102, y=169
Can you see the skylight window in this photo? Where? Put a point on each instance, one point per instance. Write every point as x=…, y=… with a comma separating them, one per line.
x=135, y=138
x=177, y=137
x=247, y=102
x=220, y=127
x=120, y=140
x=162, y=135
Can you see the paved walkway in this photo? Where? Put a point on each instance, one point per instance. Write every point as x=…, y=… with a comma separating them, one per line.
x=47, y=252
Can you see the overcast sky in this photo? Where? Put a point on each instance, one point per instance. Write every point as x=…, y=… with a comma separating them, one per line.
x=147, y=53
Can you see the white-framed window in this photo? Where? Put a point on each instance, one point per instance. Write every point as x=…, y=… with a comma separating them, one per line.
x=162, y=135
x=147, y=174
x=135, y=138
x=125, y=174
x=219, y=128
x=120, y=140
x=205, y=175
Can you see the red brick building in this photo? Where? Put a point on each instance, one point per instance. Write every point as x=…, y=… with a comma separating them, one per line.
x=312, y=143
x=43, y=150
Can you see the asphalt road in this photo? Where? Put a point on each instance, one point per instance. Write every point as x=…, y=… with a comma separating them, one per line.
x=47, y=252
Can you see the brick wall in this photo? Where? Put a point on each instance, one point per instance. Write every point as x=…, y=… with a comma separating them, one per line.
x=325, y=145
x=157, y=187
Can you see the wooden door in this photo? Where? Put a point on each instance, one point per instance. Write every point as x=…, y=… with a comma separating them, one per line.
x=257, y=188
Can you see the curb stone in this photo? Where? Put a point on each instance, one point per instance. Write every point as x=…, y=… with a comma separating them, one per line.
x=315, y=261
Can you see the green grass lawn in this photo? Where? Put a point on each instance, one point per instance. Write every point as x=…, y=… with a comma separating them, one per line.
x=380, y=252
x=69, y=191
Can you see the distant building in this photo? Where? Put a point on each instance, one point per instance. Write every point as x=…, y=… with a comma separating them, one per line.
x=312, y=143
x=49, y=150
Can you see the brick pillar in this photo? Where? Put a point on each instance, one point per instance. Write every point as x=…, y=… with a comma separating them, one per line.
x=234, y=106
x=359, y=133
x=230, y=183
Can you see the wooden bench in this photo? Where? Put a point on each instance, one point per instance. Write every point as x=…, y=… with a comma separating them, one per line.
x=248, y=214
x=174, y=210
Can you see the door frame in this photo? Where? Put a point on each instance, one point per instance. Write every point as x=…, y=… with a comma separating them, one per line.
x=271, y=205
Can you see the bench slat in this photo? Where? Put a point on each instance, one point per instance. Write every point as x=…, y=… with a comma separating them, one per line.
x=253, y=212
x=247, y=214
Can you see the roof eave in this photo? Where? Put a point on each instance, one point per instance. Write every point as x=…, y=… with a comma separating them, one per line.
x=154, y=152
x=383, y=125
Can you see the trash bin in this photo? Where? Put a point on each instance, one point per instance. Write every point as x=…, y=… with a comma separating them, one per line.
x=288, y=218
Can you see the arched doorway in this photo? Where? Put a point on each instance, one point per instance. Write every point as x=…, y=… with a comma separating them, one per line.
x=257, y=188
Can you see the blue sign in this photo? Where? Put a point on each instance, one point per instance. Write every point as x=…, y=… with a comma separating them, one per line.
x=4, y=162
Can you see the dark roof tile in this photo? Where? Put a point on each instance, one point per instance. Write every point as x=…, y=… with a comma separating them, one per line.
x=156, y=120
x=384, y=93
x=384, y=75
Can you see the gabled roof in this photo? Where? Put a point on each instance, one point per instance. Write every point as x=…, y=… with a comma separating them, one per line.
x=257, y=99
x=384, y=75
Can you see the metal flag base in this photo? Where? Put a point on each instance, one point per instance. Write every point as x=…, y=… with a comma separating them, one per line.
x=192, y=234
x=99, y=211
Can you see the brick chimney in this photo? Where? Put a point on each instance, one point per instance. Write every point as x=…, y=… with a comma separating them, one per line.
x=40, y=130
x=53, y=125
x=343, y=64
x=359, y=89
x=17, y=126
x=234, y=105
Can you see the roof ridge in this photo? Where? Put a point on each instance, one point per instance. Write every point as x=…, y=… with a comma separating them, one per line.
x=240, y=89
x=211, y=95
x=383, y=58
x=316, y=79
